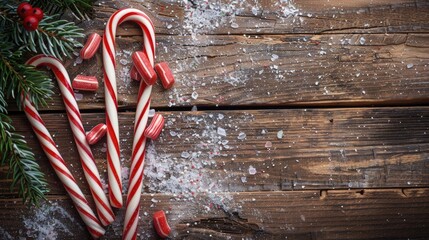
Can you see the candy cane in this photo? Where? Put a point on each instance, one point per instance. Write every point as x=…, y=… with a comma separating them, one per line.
x=143, y=103
x=104, y=210
x=60, y=168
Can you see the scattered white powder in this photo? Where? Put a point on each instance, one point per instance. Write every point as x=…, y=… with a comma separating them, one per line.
x=47, y=221
x=185, y=155
x=77, y=61
x=280, y=134
x=123, y=61
x=244, y=179
x=151, y=113
x=184, y=178
x=194, y=95
x=255, y=11
x=274, y=57
x=252, y=170
x=287, y=8
x=191, y=173
x=206, y=16
x=241, y=136
x=78, y=96
x=234, y=25
x=221, y=131
x=5, y=235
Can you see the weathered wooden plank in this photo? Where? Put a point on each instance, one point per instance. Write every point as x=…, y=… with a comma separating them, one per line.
x=241, y=150
x=274, y=16
x=289, y=70
x=369, y=214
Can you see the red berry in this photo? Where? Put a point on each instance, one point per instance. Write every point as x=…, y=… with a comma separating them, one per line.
x=31, y=23
x=23, y=9
x=38, y=13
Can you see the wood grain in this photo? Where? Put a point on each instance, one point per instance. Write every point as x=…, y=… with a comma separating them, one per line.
x=274, y=17
x=320, y=149
x=288, y=70
x=346, y=82
x=333, y=214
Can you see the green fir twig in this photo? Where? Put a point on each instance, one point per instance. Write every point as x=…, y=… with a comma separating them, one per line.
x=81, y=9
x=26, y=173
x=16, y=78
x=55, y=37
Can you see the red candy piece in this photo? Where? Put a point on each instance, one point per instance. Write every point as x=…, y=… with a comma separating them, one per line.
x=24, y=9
x=144, y=67
x=85, y=83
x=134, y=74
x=31, y=23
x=155, y=127
x=160, y=224
x=91, y=46
x=96, y=133
x=165, y=74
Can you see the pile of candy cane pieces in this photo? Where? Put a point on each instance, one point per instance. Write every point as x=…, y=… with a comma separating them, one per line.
x=143, y=71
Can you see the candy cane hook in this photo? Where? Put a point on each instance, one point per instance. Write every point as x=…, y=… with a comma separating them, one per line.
x=92, y=175
x=143, y=103
x=58, y=164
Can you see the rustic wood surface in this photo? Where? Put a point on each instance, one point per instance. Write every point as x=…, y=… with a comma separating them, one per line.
x=331, y=214
x=324, y=108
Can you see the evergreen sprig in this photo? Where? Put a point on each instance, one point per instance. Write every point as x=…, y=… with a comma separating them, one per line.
x=55, y=37
x=16, y=77
x=26, y=173
x=80, y=8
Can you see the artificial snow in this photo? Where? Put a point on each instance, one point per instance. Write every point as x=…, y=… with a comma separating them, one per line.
x=48, y=220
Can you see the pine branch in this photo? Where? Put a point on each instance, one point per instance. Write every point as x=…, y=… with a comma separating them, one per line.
x=26, y=173
x=53, y=37
x=80, y=8
x=16, y=78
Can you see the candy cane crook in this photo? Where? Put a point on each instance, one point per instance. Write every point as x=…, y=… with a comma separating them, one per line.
x=104, y=210
x=143, y=103
x=58, y=164
x=60, y=168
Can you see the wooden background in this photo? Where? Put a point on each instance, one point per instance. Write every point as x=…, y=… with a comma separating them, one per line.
x=346, y=81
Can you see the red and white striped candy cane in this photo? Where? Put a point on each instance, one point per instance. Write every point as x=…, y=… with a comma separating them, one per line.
x=143, y=103
x=60, y=168
x=104, y=210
